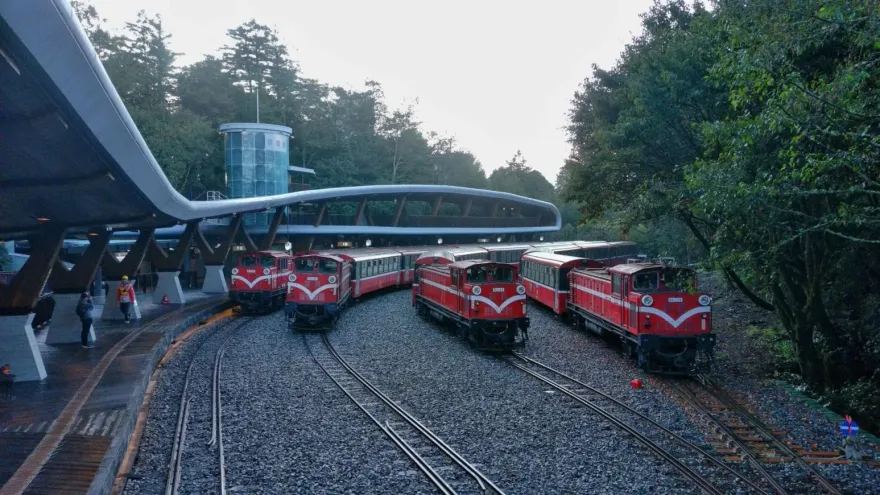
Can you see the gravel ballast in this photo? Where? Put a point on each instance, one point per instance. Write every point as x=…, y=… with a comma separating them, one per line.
x=525, y=437
x=289, y=429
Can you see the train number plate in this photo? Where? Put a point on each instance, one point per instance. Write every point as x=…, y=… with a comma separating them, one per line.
x=676, y=299
x=498, y=289
x=312, y=278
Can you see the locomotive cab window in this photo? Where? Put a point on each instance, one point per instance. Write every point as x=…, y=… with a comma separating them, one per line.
x=615, y=283
x=501, y=274
x=267, y=262
x=249, y=261
x=305, y=265
x=476, y=275
x=646, y=282
x=327, y=266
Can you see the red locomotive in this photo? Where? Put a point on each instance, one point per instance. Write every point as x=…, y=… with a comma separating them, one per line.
x=654, y=309
x=259, y=281
x=317, y=290
x=545, y=277
x=481, y=298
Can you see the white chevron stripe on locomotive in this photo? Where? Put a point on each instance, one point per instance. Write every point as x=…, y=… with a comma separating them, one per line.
x=259, y=279
x=507, y=302
x=309, y=293
x=675, y=322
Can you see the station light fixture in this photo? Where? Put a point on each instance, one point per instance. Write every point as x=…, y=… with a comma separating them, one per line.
x=93, y=234
x=368, y=243
x=439, y=240
x=287, y=246
x=541, y=238
x=42, y=219
x=498, y=239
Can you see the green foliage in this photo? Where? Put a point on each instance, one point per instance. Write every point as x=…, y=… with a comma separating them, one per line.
x=518, y=178
x=349, y=137
x=757, y=129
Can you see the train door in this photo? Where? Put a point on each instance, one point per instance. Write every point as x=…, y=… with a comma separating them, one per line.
x=624, y=301
x=458, y=285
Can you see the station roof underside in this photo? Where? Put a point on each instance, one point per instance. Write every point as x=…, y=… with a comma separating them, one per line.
x=70, y=152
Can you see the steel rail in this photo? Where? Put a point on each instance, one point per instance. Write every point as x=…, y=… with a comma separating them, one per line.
x=691, y=398
x=630, y=410
x=484, y=482
x=759, y=425
x=175, y=465
x=399, y=442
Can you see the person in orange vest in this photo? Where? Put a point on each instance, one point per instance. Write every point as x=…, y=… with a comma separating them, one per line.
x=125, y=297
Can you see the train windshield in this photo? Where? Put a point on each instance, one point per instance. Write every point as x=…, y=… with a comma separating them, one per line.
x=483, y=273
x=249, y=261
x=327, y=266
x=646, y=281
x=305, y=265
x=267, y=262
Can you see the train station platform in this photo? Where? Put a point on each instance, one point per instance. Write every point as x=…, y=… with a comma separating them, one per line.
x=69, y=432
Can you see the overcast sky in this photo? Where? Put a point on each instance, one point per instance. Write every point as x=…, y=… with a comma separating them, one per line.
x=497, y=75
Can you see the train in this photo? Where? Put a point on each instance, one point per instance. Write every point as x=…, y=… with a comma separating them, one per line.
x=653, y=309
x=259, y=281
x=483, y=300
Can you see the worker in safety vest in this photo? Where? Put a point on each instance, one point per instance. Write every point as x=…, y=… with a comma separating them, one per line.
x=125, y=297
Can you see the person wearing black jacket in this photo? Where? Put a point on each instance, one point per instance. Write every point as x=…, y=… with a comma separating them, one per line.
x=84, y=310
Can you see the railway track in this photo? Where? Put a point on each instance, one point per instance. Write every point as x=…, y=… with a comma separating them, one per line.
x=744, y=437
x=205, y=458
x=445, y=468
x=658, y=439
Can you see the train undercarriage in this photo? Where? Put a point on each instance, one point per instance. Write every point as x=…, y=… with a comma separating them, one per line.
x=483, y=335
x=659, y=354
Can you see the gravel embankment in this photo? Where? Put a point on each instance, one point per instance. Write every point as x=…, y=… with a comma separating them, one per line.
x=526, y=439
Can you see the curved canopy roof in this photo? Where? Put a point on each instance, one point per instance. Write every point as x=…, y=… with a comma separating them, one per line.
x=71, y=153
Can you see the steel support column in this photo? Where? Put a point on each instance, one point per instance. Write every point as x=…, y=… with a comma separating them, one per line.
x=273, y=228
x=114, y=271
x=360, y=212
x=168, y=265
x=467, y=207
x=215, y=259
x=320, y=216
x=68, y=285
x=24, y=290
x=436, y=208
x=399, y=211
x=18, y=346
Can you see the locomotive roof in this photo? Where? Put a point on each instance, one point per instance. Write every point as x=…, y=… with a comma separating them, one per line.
x=631, y=268
x=276, y=254
x=336, y=258
x=553, y=259
x=469, y=263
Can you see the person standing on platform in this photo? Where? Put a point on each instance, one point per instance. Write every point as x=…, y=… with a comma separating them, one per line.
x=125, y=297
x=84, y=310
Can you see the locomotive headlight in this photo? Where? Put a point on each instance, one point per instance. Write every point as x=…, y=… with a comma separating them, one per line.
x=704, y=300
x=520, y=290
x=332, y=279
x=647, y=300
x=292, y=278
x=265, y=271
x=235, y=271
x=477, y=290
